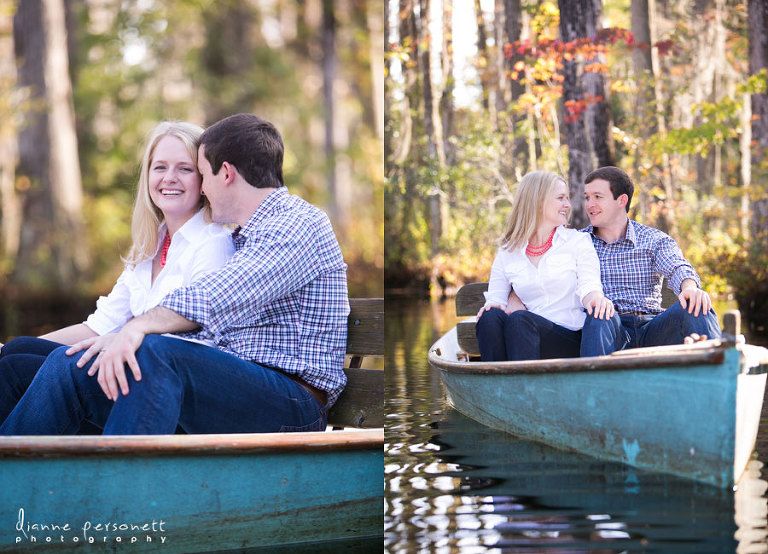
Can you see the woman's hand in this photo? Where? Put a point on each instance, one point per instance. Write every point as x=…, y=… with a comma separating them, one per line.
x=598, y=305
x=488, y=307
x=93, y=346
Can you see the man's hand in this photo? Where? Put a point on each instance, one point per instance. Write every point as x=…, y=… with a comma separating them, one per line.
x=114, y=351
x=598, y=304
x=111, y=353
x=695, y=300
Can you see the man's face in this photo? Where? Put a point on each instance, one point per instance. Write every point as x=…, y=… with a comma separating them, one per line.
x=212, y=186
x=603, y=210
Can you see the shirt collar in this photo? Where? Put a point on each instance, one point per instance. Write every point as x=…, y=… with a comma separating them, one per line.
x=631, y=234
x=190, y=231
x=560, y=236
x=269, y=205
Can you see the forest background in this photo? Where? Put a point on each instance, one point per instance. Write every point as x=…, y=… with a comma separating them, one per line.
x=83, y=82
x=672, y=91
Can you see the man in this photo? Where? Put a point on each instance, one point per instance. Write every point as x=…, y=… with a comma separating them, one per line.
x=634, y=259
x=277, y=313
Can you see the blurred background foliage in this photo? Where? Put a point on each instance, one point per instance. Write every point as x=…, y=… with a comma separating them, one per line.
x=673, y=91
x=102, y=73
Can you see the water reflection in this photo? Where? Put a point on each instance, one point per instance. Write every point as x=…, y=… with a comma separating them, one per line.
x=452, y=485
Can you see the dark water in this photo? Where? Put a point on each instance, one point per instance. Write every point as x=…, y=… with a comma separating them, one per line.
x=452, y=485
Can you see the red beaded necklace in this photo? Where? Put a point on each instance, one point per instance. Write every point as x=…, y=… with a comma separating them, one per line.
x=541, y=249
x=164, y=251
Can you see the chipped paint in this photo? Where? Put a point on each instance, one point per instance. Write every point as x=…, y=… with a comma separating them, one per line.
x=631, y=450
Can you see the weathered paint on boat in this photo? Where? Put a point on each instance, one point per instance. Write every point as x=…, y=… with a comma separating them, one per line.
x=189, y=493
x=691, y=411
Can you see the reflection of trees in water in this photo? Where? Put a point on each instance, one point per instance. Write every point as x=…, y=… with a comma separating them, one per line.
x=35, y=315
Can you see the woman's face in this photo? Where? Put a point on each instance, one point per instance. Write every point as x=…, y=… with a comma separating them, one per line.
x=174, y=183
x=558, y=206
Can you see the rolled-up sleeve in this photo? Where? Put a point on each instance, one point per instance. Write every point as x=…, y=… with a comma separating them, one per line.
x=498, y=283
x=672, y=265
x=113, y=310
x=587, y=266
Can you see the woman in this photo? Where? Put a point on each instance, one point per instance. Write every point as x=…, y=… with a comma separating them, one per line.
x=174, y=243
x=553, y=270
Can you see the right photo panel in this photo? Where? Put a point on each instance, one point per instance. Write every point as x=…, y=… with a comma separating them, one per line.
x=576, y=282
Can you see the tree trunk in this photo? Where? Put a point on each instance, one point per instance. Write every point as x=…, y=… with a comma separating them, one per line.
x=599, y=115
x=574, y=21
x=329, y=103
x=745, y=166
x=482, y=56
x=408, y=43
x=52, y=245
x=10, y=206
x=425, y=70
x=375, y=43
x=667, y=224
x=513, y=27
x=446, y=98
x=758, y=60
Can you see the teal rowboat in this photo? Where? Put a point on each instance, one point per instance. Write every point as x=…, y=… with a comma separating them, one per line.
x=205, y=493
x=689, y=410
x=189, y=493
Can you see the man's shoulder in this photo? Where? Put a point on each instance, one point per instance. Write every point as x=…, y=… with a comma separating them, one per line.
x=290, y=211
x=648, y=233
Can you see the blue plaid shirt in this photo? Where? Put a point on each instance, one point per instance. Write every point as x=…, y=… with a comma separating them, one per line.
x=632, y=268
x=281, y=301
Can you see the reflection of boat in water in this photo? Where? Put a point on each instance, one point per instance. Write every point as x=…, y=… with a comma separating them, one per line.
x=528, y=494
x=689, y=410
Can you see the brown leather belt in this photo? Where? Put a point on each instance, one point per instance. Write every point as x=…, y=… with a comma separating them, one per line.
x=319, y=395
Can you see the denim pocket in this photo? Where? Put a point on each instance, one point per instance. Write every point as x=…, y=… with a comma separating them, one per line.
x=318, y=425
x=305, y=407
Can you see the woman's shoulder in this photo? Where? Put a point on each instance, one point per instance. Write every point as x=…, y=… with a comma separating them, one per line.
x=575, y=238
x=217, y=230
x=570, y=234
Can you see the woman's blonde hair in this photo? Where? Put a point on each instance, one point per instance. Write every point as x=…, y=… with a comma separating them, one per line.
x=147, y=217
x=527, y=206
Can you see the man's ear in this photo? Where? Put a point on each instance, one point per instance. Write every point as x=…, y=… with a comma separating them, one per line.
x=623, y=199
x=229, y=172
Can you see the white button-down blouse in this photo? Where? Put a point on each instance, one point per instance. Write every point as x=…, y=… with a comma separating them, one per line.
x=197, y=248
x=556, y=288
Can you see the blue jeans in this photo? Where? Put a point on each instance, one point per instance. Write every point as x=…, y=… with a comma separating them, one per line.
x=601, y=337
x=20, y=359
x=523, y=335
x=199, y=388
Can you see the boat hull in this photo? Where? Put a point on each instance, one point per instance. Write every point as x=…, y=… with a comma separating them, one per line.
x=680, y=420
x=240, y=492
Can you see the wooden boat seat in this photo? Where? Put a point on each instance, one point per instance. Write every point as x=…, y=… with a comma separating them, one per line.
x=362, y=402
x=469, y=300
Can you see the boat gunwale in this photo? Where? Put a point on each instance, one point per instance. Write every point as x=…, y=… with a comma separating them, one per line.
x=89, y=446
x=704, y=353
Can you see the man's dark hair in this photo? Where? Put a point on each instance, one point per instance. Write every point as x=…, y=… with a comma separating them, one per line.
x=618, y=180
x=251, y=144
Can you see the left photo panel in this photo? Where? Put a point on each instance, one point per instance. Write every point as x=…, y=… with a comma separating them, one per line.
x=191, y=274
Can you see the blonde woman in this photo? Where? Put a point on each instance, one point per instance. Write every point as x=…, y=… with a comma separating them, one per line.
x=552, y=269
x=174, y=243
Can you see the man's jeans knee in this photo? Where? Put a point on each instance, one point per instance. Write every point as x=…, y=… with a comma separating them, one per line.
x=602, y=336
x=675, y=323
